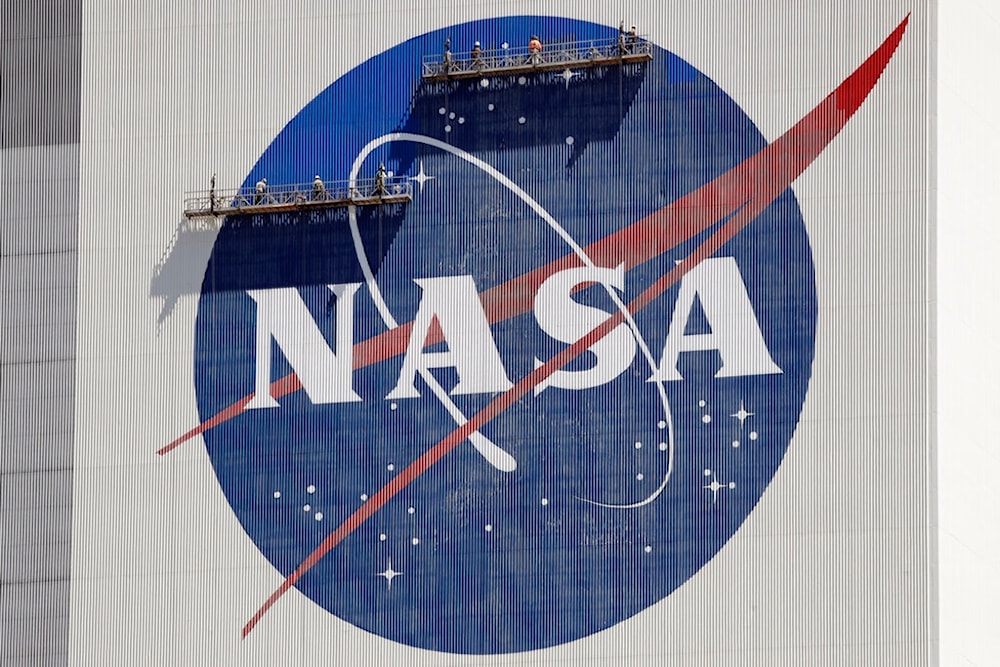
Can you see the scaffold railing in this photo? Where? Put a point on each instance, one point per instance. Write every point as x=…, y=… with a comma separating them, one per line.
x=299, y=196
x=514, y=60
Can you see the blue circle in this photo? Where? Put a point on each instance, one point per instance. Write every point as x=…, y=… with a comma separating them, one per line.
x=468, y=558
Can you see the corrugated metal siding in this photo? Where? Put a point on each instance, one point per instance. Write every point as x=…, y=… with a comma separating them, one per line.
x=39, y=131
x=833, y=566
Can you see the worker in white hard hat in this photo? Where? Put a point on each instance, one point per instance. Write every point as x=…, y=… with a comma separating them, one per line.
x=259, y=191
x=380, y=180
x=477, y=54
x=319, y=188
x=447, y=59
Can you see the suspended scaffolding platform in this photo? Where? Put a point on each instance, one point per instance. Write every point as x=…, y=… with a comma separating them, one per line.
x=299, y=197
x=552, y=57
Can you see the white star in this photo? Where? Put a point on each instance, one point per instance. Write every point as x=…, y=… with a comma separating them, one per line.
x=742, y=414
x=716, y=486
x=389, y=575
x=421, y=176
x=567, y=75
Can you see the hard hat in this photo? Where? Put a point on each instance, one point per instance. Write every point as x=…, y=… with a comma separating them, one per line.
x=263, y=180
x=317, y=177
x=477, y=44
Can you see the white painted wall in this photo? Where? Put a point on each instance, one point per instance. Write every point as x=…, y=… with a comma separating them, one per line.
x=968, y=233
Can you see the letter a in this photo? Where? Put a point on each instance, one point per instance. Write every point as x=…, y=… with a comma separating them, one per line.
x=567, y=321
x=735, y=331
x=282, y=315
x=473, y=353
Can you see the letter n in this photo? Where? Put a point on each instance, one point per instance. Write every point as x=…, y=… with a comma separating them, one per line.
x=282, y=316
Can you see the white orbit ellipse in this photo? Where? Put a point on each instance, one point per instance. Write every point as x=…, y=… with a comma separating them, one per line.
x=493, y=453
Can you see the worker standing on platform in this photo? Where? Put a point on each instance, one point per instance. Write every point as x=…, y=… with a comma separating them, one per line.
x=633, y=36
x=477, y=54
x=534, y=48
x=259, y=191
x=380, y=180
x=319, y=188
x=447, y=55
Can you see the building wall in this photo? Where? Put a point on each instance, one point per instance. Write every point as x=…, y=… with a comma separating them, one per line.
x=833, y=565
x=39, y=142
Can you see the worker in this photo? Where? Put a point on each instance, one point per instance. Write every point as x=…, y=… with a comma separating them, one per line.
x=447, y=60
x=477, y=54
x=534, y=49
x=633, y=36
x=319, y=188
x=380, y=180
x=260, y=190
x=211, y=196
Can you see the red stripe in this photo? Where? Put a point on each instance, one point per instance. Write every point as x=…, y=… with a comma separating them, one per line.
x=777, y=164
x=747, y=189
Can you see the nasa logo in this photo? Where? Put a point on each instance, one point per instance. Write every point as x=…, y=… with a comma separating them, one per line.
x=538, y=397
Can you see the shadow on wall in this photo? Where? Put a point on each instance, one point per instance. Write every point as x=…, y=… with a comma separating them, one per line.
x=181, y=267
x=525, y=110
x=262, y=251
x=265, y=251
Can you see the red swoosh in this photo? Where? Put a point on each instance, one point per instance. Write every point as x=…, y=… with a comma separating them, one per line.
x=639, y=242
x=746, y=190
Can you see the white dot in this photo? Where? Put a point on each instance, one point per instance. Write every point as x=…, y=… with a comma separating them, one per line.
x=663, y=446
x=545, y=501
x=389, y=174
x=411, y=510
x=732, y=485
x=701, y=404
x=489, y=528
x=319, y=516
x=569, y=141
x=707, y=472
x=484, y=83
x=442, y=111
x=393, y=406
x=648, y=549
x=306, y=508
x=390, y=467
x=415, y=541
x=452, y=115
x=381, y=538
x=638, y=445
x=707, y=418
x=364, y=496
x=447, y=128
x=277, y=494
x=661, y=424
x=736, y=443
x=639, y=477
x=310, y=489
x=521, y=80
x=461, y=120
x=753, y=435
x=491, y=107
x=522, y=120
